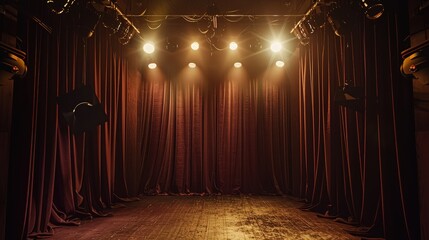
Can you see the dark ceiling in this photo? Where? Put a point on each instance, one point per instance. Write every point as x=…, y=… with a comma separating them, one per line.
x=199, y=7
x=233, y=15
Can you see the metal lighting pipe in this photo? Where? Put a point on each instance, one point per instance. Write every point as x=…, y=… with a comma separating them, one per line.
x=109, y=3
x=305, y=15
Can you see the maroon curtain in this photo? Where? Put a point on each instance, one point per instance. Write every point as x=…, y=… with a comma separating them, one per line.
x=359, y=160
x=198, y=135
x=251, y=134
x=181, y=132
x=57, y=177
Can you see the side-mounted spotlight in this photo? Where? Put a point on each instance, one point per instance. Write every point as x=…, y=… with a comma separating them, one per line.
x=81, y=109
x=339, y=14
x=372, y=9
x=125, y=32
x=89, y=13
x=59, y=6
x=117, y=24
x=302, y=34
x=314, y=18
x=416, y=63
x=87, y=19
x=12, y=63
x=110, y=19
x=350, y=96
x=339, y=17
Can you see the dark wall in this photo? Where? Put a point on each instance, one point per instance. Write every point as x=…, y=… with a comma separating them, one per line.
x=7, y=41
x=419, y=39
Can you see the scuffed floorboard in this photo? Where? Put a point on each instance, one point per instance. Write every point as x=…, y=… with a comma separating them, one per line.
x=208, y=217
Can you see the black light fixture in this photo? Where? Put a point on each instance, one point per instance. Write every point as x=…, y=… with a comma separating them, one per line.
x=372, y=9
x=416, y=63
x=339, y=17
x=339, y=14
x=302, y=33
x=125, y=32
x=81, y=109
x=350, y=96
x=312, y=20
x=87, y=19
x=89, y=13
x=110, y=19
x=12, y=63
x=59, y=6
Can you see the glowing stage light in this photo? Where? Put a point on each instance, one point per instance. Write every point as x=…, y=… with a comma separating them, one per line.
x=233, y=46
x=195, y=46
x=280, y=63
x=151, y=65
x=192, y=65
x=237, y=64
x=149, y=48
x=276, y=47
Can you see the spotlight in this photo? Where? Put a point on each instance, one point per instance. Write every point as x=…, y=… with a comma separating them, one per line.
x=111, y=20
x=125, y=32
x=149, y=48
x=233, y=46
x=195, y=46
x=87, y=20
x=313, y=19
x=280, y=63
x=81, y=109
x=151, y=65
x=350, y=96
x=58, y=6
x=416, y=65
x=302, y=33
x=373, y=9
x=317, y=20
x=11, y=62
x=339, y=19
x=276, y=47
x=237, y=64
x=192, y=65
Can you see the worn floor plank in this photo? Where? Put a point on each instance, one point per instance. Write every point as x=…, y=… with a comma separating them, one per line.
x=208, y=217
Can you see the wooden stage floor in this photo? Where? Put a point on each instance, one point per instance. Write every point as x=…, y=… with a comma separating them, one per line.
x=208, y=217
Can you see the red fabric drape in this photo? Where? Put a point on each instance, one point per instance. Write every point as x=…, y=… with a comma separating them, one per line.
x=202, y=133
x=197, y=135
x=359, y=162
x=57, y=177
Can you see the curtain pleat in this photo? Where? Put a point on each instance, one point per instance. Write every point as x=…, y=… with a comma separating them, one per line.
x=205, y=136
x=57, y=177
x=364, y=154
x=277, y=132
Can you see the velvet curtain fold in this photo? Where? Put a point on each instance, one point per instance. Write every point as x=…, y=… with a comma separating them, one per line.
x=359, y=160
x=56, y=177
x=200, y=133
x=202, y=136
